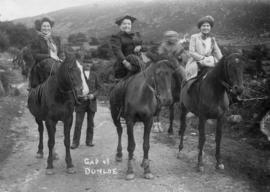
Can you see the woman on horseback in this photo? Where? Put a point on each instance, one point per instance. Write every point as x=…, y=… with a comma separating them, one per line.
x=45, y=46
x=126, y=46
x=203, y=48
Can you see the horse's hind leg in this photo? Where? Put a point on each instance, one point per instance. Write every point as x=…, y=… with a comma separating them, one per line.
x=146, y=145
x=67, y=127
x=40, y=145
x=131, y=147
x=170, y=130
x=51, y=141
x=220, y=122
x=201, y=143
x=183, y=125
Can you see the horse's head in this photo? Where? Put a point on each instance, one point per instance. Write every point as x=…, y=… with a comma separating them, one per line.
x=163, y=80
x=233, y=69
x=73, y=76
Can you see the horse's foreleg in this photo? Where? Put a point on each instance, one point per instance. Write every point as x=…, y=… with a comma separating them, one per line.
x=220, y=123
x=170, y=130
x=156, y=122
x=146, y=146
x=131, y=147
x=201, y=143
x=40, y=145
x=67, y=127
x=119, y=128
x=183, y=114
x=51, y=141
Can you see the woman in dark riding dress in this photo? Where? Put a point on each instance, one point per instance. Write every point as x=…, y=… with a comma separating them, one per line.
x=126, y=46
x=44, y=46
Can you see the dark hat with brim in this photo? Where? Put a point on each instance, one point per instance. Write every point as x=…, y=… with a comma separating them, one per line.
x=39, y=22
x=119, y=20
x=207, y=19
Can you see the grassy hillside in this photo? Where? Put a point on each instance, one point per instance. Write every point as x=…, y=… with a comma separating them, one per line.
x=233, y=18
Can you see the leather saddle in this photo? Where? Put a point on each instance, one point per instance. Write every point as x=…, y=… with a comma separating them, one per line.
x=195, y=80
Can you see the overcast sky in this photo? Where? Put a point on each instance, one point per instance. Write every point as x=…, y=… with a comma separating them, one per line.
x=11, y=9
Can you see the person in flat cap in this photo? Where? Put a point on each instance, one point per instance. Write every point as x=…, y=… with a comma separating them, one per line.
x=44, y=47
x=203, y=48
x=171, y=48
x=126, y=46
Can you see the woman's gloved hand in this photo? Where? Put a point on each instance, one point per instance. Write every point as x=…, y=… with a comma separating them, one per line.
x=137, y=48
x=127, y=65
x=208, y=61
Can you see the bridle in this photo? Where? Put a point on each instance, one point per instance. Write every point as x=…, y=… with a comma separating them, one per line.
x=227, y=82
x=73, y=91
x=155, y=89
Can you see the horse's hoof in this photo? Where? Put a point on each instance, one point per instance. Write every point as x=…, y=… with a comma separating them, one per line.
x=118, y=159
x=71, y=170
x=148, y=176
x=49, y=172
x=130, y=176
x=39, y=155
x=201, y=169
x=55, y=156
x=220, y=166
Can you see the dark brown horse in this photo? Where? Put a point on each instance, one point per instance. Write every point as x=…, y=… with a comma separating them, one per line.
x=208, y=99
x=146, y=92
x=176, y=88
x=54, y=101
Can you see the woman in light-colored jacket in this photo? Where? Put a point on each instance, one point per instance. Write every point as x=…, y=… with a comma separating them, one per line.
x=203, y=48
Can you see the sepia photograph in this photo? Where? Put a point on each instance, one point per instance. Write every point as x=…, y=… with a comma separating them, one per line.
x=135, y=96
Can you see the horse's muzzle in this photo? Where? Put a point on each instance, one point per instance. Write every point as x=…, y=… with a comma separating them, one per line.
x=237, y=90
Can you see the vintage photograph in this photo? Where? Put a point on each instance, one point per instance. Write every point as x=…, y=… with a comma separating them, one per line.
x=135, y=96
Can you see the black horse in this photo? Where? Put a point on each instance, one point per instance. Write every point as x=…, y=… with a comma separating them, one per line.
x=54, y=101
x=208, y=99
x=146, y=92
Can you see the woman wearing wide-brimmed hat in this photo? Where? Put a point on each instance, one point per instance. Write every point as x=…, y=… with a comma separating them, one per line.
x=126, y=46
x=45, y=46
x=203, y=48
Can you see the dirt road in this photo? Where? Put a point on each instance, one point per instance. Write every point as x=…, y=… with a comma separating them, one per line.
x=22, y=172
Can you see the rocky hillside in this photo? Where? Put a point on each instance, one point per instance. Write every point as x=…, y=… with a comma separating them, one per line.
x=233, y=18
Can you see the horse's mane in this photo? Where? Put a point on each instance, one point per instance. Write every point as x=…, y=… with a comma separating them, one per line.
x=220, y=66
x=154, y=65
x=69, y=58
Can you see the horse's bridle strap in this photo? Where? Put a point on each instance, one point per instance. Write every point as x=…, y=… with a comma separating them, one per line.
x=227, y=86
x=225, y=82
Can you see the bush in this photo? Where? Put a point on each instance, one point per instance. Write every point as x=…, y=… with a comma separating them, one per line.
x=104, y=51
x=16, y=35
x=4, y=41
x=77, y=38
